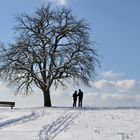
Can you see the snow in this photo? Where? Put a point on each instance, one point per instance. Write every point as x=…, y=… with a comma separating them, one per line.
x=67, y=123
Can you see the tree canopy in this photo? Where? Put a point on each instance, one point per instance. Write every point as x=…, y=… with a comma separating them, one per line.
x=50, y=46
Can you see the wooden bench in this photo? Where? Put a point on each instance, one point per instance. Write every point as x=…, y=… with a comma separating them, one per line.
x=7, y=104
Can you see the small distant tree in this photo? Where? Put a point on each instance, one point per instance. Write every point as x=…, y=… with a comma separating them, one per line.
x=50, y=46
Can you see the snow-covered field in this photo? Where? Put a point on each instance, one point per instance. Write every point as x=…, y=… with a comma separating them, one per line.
x=63, y=123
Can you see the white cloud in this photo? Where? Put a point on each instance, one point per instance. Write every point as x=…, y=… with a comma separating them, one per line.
x=126, y=84
x=111, y=75
x=3, y=87
x=110, y=96
x=137, y=98
x=111, y=99
x=62, y=2
x=101, y=84
x=118, y=96
x=119, y=85
x=104, y=96
x=58, y=2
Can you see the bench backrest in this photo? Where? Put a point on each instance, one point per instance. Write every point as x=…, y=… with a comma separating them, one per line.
x=6, y=104
x=10, y=103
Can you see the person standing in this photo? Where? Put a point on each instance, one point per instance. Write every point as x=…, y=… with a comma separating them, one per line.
x=80, y=97
x=74, y=98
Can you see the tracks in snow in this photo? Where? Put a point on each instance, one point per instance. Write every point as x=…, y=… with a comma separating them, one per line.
x=49, y=132
x=19, y=120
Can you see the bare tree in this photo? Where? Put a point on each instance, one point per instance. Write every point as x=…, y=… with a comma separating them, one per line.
x=50, y=46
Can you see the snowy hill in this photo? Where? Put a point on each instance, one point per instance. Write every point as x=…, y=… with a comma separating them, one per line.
x=63, y=123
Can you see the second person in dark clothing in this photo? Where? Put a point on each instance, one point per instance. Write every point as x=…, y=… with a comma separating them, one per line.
x=80, y=98
x=74, y=98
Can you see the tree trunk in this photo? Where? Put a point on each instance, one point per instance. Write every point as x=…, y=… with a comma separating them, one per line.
x=47, y=99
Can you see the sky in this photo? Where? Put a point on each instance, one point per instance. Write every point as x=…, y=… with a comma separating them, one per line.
x=115, y=27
